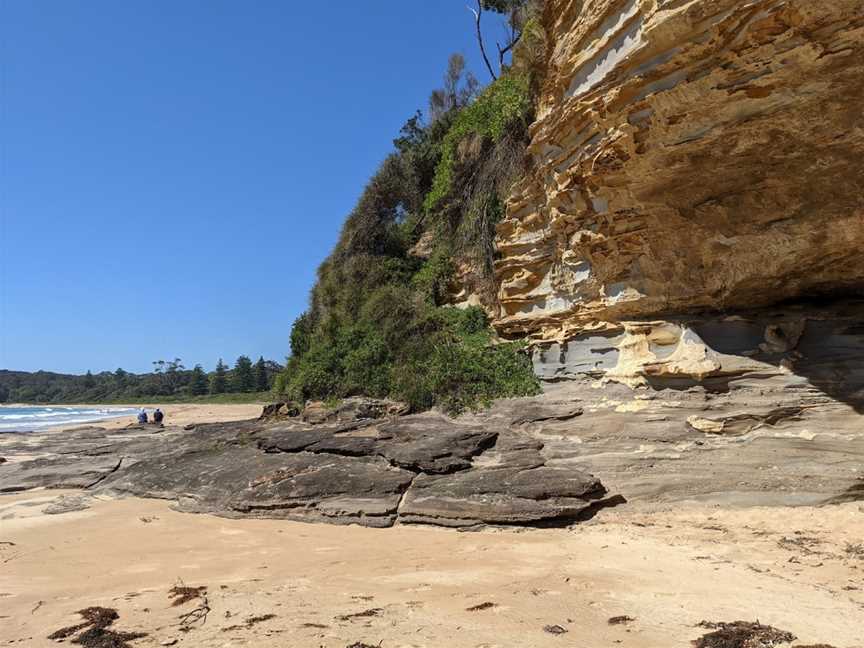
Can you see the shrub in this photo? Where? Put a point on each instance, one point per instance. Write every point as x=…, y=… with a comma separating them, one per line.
x=433, y=278
x=464, y=370
x=503, y=103
x=301, y=333
x=426, y=356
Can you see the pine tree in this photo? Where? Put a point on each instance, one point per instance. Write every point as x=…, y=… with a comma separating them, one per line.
x=219, y=380
x=261, y=380
x=198, y=381
x=244, y=378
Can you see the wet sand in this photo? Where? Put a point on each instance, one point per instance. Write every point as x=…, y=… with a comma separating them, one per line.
x=798, y=569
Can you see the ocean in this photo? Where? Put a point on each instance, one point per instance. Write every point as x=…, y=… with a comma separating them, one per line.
x=25, y=419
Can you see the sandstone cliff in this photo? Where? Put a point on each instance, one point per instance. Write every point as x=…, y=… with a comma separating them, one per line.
x=688, y=155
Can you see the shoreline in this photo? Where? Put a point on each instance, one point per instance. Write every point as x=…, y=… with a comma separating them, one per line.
x=175, y=414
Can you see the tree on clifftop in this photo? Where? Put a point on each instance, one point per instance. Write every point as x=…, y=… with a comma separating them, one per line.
x=460, y=87
x=198, y=382
x=244, y=378
x=219, y=380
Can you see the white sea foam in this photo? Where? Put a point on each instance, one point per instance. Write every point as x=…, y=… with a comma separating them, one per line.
x=24, y=419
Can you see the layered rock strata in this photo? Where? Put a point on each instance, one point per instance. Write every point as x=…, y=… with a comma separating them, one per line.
x=688, y=154
x=813, y=345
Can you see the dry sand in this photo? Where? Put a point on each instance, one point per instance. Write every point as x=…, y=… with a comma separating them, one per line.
x=795, y=568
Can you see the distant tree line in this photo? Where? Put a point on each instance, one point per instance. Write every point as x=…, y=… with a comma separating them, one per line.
x=168, y=378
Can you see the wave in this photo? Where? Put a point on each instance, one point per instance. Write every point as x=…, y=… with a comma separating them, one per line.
x=34, y=418
x=55, y=414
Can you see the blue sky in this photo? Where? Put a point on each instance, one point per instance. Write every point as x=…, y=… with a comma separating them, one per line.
x=172, y=172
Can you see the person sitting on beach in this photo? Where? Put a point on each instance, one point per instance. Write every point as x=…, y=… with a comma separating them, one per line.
x=157, y=416
x=142, y=416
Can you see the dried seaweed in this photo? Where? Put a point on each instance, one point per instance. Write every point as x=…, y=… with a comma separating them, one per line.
x=742, y=634
x=481, y=606
x=182, y=594
x=251, y=621
x=96, y=632
x=855, y=551
x=802, y=543
x=359, y=615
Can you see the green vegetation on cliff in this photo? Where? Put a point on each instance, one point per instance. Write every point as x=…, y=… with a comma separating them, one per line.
x=378, y=322
x=503, y=105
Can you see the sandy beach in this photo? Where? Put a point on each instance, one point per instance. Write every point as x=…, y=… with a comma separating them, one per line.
x=277, y=583
x=181, y=413
x=645, y=575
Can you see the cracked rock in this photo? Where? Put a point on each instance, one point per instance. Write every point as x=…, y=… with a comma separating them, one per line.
x=423, y=468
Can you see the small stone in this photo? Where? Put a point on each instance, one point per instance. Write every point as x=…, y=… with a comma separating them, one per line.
x=554, y=629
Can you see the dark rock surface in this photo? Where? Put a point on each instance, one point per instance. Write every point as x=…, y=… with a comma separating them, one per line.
x=78, y=471
x=538, y=412
x=420, y=469
x=418, y=443
x=500, y=495
x=280, y=410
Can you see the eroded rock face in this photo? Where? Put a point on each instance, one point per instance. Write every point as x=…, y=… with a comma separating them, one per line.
x=688, y=155
x=819, y=345
x=355, y=408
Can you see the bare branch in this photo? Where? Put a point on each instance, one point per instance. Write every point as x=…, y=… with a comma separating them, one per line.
x=503, y=50
x=477, y=13
x=513, y=37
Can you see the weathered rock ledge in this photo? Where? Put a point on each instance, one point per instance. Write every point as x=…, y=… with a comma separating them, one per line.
x=373, y=472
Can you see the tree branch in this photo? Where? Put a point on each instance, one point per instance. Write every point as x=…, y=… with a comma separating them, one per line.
x=514, y=37
x=504, y=50
x=477, y=12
